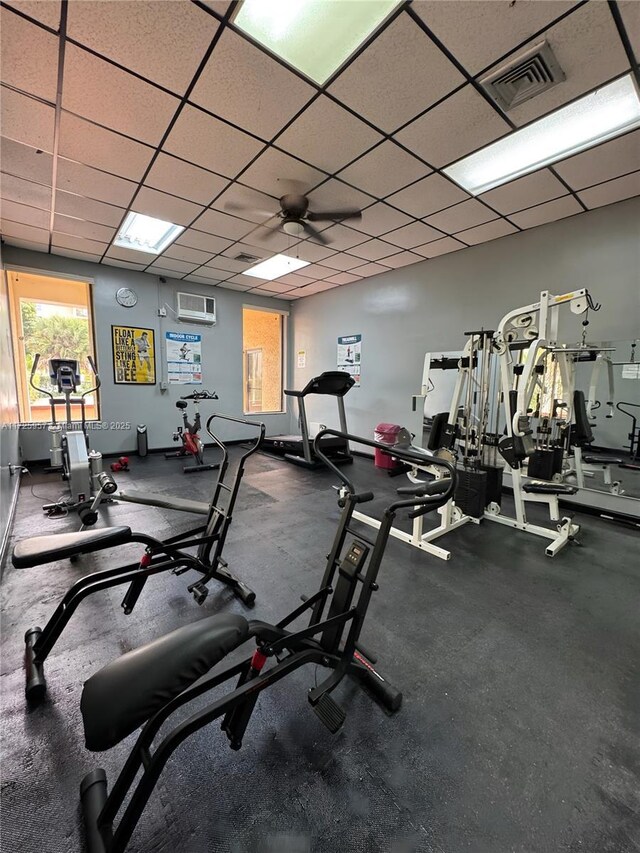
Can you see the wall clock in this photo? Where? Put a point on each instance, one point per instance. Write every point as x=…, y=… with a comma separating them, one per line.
x=126, y=297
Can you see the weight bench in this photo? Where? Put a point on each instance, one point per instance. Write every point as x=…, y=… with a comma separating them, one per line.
x=165, y=502
x=38, y=550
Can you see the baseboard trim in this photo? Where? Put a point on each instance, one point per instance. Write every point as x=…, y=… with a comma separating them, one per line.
x=7, y=531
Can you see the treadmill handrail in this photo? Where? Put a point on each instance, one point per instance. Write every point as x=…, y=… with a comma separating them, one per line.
x=349, y=382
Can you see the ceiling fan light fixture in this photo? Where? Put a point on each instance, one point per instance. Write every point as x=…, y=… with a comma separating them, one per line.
x=293, y=227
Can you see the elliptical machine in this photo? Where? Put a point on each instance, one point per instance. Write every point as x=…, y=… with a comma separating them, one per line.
x=188, y=434
x=69, y=448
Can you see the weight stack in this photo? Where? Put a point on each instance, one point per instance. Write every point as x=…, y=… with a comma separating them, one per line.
x=543, y=464
x=494, y=484
x=471, y=491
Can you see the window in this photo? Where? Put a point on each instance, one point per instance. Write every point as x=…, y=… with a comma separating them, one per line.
x=50, y=316
x=263, y=353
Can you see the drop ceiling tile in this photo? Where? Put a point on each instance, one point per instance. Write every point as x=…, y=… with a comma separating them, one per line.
x=164, y=272
x=28, y=244
x=334, y=194
x=223, y=225
x=616, y=190
x=525, y=192
x=246, y=203
x=101, y=92
x=609, y=160
x=548, y=212
x=184, y=179
x=278, y=287
x=630, y=12
x=324, y=120
x=213, y=273
x=343, y=278
x=85, y=208
x=183, y=253
x=439, y=247
x=272, y=239
x=380, y=218
x=373, y=250
x=293, y=280
x=297, y=294
x=402, y=259
x=121, y=254
x=289, y=296
x=163, y=42
x=24, y=162
x=277, y=174
x=412, y=235
x=342, y=261
x=45, y=11
x=245, y=86
x=427, y=196
x=20, y=43
x=15, y=212
x=241, y=287
x=83, y=180
x=370, y=269
x=104, y=149
x=481, y=31
x=181, y=267
x=245, y=249
x=486, y=232
x=199, y=279
x=24, y=192
x=249, y=280
x=20, y=231
x=460, y=216
x=457, y=126
x=72, y=253
x=164, y=206
x=589, y=51
x=201, y=139
x=78, y=244
x=194, y=239
x=81, y=228
x=225, y=264
x=384, y=170
x=400, y=74
x=315, y=272
x=318, y=287
x=26, y=120
x=127, y=265
x=308, y=250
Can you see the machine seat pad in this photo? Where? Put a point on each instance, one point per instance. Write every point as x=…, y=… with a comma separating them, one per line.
x=596, y=459
x=125, y=693
x=165, y=501
x=537, y=487
x=45, y=549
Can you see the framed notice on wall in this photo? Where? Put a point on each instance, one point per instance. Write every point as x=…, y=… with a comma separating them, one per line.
x=350, y=355
x=134, y=355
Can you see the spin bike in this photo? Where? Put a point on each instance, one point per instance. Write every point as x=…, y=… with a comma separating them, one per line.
x=146, y=686
x=69, y=452
x=188, y=434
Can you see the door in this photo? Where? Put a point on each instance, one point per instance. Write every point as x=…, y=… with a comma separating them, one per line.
x=254, y=380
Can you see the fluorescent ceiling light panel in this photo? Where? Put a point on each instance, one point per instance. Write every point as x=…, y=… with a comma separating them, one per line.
x=146, y=234
x=607, y=112
x=314, y=36
x=275, y=267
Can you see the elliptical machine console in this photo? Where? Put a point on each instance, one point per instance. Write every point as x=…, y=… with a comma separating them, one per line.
x=69, y=452
x=188, y=434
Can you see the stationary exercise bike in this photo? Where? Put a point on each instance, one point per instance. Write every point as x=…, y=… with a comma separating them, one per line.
x=69, y=450
x=188, y=434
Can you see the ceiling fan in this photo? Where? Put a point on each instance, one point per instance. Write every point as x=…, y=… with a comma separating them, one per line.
x=296, y=218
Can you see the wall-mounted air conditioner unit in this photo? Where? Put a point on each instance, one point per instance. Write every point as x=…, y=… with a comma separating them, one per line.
x=193, y=308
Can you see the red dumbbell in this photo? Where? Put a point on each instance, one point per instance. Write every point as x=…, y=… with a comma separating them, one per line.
x=121, y=465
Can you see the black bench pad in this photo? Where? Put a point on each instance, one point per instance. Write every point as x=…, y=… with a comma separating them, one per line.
x=165, y=502
x=542, y=488
x=45, y=549
x=601, y=460
x=128, y=691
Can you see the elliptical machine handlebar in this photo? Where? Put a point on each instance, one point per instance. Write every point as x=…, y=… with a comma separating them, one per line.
x=201, y=395
x=34, y=367
x=255, y=424
x=94, y=370
x=423, y=500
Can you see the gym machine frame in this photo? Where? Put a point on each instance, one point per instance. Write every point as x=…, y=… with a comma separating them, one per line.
x=159, y=556
x=320, y=643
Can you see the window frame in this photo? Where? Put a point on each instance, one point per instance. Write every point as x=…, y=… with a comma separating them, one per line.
x=284, y=360
x=15, y=322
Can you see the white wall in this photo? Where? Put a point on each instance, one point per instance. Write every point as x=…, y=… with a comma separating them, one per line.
x=428, y=306
x=221, y=353
x=9, y=449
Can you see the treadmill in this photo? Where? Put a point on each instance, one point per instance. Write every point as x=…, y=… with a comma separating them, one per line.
x=298, y=449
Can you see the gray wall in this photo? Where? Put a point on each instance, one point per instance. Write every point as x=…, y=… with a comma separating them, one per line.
x=221, y=352
x=9, y=449
x=427, y=307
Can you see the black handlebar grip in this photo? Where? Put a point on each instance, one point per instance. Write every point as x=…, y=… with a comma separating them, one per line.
x=35, y=363
x=363, y=497
x=92, y=364
x=418, y=490
x=423, y=510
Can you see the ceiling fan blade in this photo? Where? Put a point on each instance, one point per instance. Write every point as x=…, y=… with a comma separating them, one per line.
x=334, y=215
x=313, y=232
x=269, y=232
x=234, y=206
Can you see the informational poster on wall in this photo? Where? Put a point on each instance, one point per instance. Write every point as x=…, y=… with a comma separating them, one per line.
x=302, y=358
x=134, y=356
x=184, y=358
x=350, y=355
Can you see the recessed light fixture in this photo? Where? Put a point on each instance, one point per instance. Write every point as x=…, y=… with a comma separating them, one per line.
x=275, y=267
x=146, y=234
x=314, y=36
x=607, y=112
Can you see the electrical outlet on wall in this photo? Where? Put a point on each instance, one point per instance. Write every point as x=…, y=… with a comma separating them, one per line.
x=162, y=312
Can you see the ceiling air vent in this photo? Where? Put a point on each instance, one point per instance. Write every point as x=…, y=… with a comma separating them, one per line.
x=245, y=258
x=525, y=77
